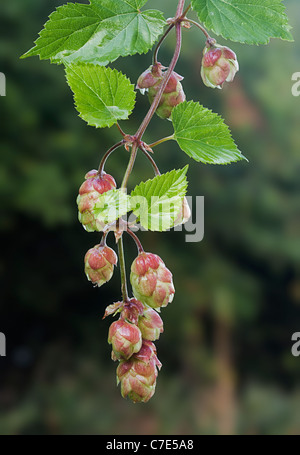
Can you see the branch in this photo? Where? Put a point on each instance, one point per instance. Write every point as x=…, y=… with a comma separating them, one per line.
x=107, y=154
x=123, y=270
x=154, y=165
x=160, y=43
x=137, y=241
x=165, y=81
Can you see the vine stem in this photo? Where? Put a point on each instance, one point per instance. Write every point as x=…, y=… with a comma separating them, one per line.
x=103, y=239
x=160, y=43
x=186, y=10
x=154, y=165
x=161, y=141
x=107, y=154
x=140, y=133
x=165, y=81
x=123, y=270
x=130, y=165
x=120, y=241
x=120, y=129
x=207, y=35
x=180, y=8
x=137, y=241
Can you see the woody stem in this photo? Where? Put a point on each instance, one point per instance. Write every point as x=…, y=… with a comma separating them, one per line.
x=123, y=270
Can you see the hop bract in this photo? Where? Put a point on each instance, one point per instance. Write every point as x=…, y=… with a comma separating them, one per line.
x=219, y=65
x=151, y=325
x=138, y=375
x=151, y=281
x=173, y=94
x=132, y=310
x=149, y=78
x=99, y=264
x=125, y=338
x=184, y=213
x=89, y=192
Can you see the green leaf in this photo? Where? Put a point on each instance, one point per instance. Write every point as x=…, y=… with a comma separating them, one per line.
x=110, y=206
x=99, y=32
x=157, y=202
x=245, y=21
x=203, y=135
x=102, y=95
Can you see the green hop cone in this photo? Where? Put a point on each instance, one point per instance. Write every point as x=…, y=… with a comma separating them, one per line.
x=219, y=65
x=138, y=375
x=151, y=281
x=125, y=338
x=99, y=264
x=89, y=192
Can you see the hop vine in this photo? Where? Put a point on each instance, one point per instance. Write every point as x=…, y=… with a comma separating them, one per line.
x=104, y=96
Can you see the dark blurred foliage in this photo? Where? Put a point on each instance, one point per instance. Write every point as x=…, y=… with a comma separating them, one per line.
x=226, y=350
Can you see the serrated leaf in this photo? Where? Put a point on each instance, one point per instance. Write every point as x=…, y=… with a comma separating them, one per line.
x=203, y=135
x=98, y=33
x=245, y=21
x=157, y=202
x=110, y=206
x=102, y=95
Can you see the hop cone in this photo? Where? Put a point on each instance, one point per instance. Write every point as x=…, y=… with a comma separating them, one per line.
x=125, y=338
x=151, y=280
x=99, y=264
x=88, y=195
x=150, y=325
x=219, y=64
x=138, y=375
x=173, y=94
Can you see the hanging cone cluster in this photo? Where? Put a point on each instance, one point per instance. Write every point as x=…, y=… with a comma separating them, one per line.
x=131, y=339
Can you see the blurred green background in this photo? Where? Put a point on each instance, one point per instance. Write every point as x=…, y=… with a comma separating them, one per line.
x=226, y=350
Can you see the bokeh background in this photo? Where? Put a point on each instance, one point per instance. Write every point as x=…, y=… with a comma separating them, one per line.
x=226, y=350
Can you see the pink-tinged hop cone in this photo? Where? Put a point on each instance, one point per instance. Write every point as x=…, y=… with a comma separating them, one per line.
x=89, y=193
x=219, y=65
x=151, y=325
x=151, y=281
x=138, y=375
x=173, y=94
x=125, y=338
x=99, y=264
